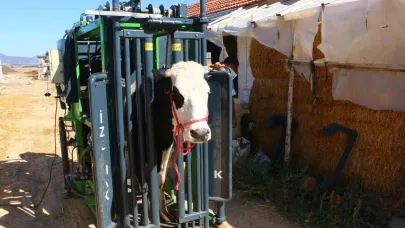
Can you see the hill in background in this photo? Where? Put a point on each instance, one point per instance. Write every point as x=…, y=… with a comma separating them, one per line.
x=18, y=61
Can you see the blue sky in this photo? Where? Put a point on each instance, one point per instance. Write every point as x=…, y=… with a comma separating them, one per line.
x=30, y=27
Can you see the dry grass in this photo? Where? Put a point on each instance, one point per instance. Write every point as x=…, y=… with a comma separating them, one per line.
x=7, y=69
x=348, y=206
x=377, y=158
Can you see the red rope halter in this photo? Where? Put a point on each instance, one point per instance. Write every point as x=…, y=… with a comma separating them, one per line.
x=179, y=129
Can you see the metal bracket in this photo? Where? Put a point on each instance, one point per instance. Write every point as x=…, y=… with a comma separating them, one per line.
x=189, y=35
x=120, y=14
x=130, y=33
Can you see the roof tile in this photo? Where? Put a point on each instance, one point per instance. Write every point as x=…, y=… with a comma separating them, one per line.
x=214, y=6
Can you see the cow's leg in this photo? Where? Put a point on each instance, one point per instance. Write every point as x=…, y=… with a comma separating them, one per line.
x=166, y=155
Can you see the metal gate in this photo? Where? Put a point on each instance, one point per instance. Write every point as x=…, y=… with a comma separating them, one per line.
x=135, y=47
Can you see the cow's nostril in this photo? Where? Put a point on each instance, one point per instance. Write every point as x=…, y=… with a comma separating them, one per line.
x=205, y=132
x=194, y=134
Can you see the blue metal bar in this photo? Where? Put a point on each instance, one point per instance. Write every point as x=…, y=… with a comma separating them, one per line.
x=206, y=184
x=203, y=61
x=186, y=56
x=180, y=192
x=220, y=218
x=120, y=125
x=188, y=35
x=176, y=49
x=131, y=151
x=196, y=51
x=189, y=185
x=199, y=179
x=203, y=13
x=153, y=182
x=140, y=110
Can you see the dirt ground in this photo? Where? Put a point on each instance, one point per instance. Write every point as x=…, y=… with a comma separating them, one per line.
x=27, y=124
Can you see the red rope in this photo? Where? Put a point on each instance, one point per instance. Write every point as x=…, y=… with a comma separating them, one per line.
x=179, y=129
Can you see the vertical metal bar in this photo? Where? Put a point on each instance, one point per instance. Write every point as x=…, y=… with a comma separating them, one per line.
x=140, y=123
x=153, y=182
x=196, y=51
x=120, y=124
x=176, y=49
x=199, y=179
x=189, y=185
x=186, y=56
x=180, y=192
x=131, y=151
x=203, y=13
x=220, y=218
x=203, y=54
x=206, y=184
x=103, y=46
x=189, y=156
x=200, y=51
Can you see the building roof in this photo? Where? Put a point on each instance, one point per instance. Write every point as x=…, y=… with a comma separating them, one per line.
x=219, y=14
x=214, y=6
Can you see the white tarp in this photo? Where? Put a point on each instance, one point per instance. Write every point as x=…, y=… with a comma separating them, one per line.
x=297, y=26
x=245, y=76
x=214, y=26
x=366, y=31
x=218, y=40
x=241, y=25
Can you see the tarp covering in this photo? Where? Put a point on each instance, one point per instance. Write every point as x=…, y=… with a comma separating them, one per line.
x=353, y=31
x=373, y=32
x=245, y=76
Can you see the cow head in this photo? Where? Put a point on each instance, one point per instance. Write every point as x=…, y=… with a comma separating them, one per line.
x=189, y=91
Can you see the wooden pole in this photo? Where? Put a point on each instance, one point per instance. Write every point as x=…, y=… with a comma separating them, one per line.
x=287, y=154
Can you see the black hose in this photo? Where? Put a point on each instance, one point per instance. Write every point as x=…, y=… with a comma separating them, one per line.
x=72, y=186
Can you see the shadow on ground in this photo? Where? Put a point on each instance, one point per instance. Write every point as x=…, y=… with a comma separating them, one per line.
x=23, y=181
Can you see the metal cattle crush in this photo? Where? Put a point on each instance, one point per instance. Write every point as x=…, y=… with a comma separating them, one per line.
x=107, y=56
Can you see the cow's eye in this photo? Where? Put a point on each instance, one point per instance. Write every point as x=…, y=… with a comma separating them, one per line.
x=177, y=97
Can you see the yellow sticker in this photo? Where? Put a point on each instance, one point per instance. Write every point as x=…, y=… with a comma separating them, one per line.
x=176, y=47
x=148, y=47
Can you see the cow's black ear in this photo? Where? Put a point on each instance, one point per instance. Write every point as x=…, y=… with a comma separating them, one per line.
x=158, y=74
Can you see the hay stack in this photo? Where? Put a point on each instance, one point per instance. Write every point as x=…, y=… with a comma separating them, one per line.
x=376, y=159
x=270, y=61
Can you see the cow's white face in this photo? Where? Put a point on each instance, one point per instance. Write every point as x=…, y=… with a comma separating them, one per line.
x=190, y=92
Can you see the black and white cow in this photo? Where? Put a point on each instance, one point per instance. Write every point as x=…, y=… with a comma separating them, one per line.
x=180, y=106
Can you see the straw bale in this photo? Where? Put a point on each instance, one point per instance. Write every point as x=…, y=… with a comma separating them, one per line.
x=266, y=62
x=269, y=97
x=377, y=157
x=316, y=53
